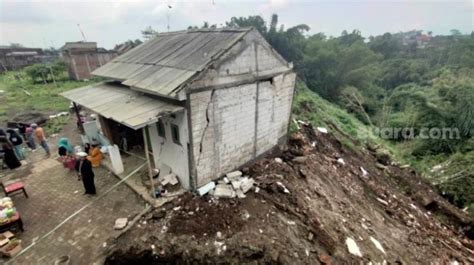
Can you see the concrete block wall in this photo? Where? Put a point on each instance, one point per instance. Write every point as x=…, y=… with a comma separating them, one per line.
x=224, y=127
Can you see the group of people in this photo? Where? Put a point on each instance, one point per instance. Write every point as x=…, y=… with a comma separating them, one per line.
x=86, y=160
x=11, y=142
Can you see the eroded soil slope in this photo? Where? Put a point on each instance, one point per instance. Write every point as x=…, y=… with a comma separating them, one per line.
x=337, y=197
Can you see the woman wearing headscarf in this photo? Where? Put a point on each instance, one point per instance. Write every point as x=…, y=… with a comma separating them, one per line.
x=64, y=147
x=85, y=172
x=9, y=157
x=16, y=140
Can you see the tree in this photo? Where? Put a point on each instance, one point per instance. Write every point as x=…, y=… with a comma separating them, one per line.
x=149, y=33
x=251, y=21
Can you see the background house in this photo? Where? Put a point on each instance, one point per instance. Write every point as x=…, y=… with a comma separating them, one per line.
x=14, y=58
x=84, y=57
x=206, y=101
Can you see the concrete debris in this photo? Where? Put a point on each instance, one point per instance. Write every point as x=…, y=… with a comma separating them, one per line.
x=240, y=194
x=364, y=172
x=257, y=189
x=234, y=175
x=377, y=244
x=236, y=184
x=284, y=189
x=300, y=159
x=278, y=160
x=226, y=180
x=310, y=236
x=224, y=191
x=322, y=129
x=169, y=179
x=352, y=247
x=206, y=188
x=247, y=184
x=341, y=161
x=120, y=223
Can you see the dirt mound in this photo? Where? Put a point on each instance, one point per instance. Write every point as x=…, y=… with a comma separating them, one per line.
x=319, y=202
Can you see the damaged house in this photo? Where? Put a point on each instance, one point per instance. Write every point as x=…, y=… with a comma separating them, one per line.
x=205, y=101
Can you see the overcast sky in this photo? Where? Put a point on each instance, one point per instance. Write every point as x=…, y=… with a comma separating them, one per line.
x=51, y=23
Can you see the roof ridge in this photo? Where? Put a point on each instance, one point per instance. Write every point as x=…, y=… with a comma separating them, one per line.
x=206, y=30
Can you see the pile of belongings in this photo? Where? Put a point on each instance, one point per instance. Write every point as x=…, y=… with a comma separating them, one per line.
x=6, y=210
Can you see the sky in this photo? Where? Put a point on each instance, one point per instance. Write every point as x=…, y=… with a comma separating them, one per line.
x=51, y=23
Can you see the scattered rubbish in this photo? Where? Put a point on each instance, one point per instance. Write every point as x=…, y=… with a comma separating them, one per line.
x=177, y=208
x=76, y=191
x=206, y=188
x=219, y=234
x=104, y=245
x=341, y=161
x=377, y=244
x=352, y=247
x=64, y=113
x=226, y=180
x=310, y=236
x=120, y=223
x=278, y=160
x=284, y=189
x=291, y=222
x=364, y=172
x=257, y=189
x=322, y=129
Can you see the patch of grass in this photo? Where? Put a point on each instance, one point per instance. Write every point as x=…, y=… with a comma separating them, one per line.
x=20, y=94
x=55, y=125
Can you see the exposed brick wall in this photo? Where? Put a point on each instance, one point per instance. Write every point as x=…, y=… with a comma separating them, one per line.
x=81, y=65
x=223, y=124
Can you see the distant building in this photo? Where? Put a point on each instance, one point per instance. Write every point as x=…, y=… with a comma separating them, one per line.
x=14, y=58
x=84, y=57
x=416, y=36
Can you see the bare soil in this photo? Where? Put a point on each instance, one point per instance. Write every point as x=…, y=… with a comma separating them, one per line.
x=328, y=202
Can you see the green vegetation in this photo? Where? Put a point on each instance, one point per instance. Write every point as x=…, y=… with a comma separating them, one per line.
x=20, y=94
x=402, y=80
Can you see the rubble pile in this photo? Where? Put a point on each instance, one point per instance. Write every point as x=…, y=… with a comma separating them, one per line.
x=315, y=201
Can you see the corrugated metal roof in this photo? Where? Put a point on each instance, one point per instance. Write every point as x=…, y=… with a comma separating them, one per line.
x=120, y=103
x=165, y=63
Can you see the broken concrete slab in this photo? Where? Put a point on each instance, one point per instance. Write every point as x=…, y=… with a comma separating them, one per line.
x=247, y=184
x=234, y=175
x=300, y=159
x=206, y=188
x=169, y=179
x=224, y=191
x=120, y=223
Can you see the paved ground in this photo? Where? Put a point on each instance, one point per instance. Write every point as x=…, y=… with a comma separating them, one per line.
x=55, y=194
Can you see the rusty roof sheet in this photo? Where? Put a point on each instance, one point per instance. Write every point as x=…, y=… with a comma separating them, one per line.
x=162, y=65
x=118, y=102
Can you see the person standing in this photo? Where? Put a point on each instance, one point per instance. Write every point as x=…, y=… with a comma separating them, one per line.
x=85, y=172
x=16, y=140
x=9, y=156
x=41, y=137
x=95, y=155
x=29, y=134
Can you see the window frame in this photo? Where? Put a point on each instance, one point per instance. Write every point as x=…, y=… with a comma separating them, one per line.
x=176, y=138
x=161, y=129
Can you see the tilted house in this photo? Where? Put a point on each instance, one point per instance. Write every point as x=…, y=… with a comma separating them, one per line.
x=208, y=100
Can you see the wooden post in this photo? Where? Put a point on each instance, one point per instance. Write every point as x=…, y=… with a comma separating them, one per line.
x=150, y=172
x=79, y=120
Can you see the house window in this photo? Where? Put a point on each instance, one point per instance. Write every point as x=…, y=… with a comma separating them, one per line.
x=161, y=128
x=175, y=133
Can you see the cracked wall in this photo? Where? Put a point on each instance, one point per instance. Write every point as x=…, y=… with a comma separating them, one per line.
x=224, y=124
